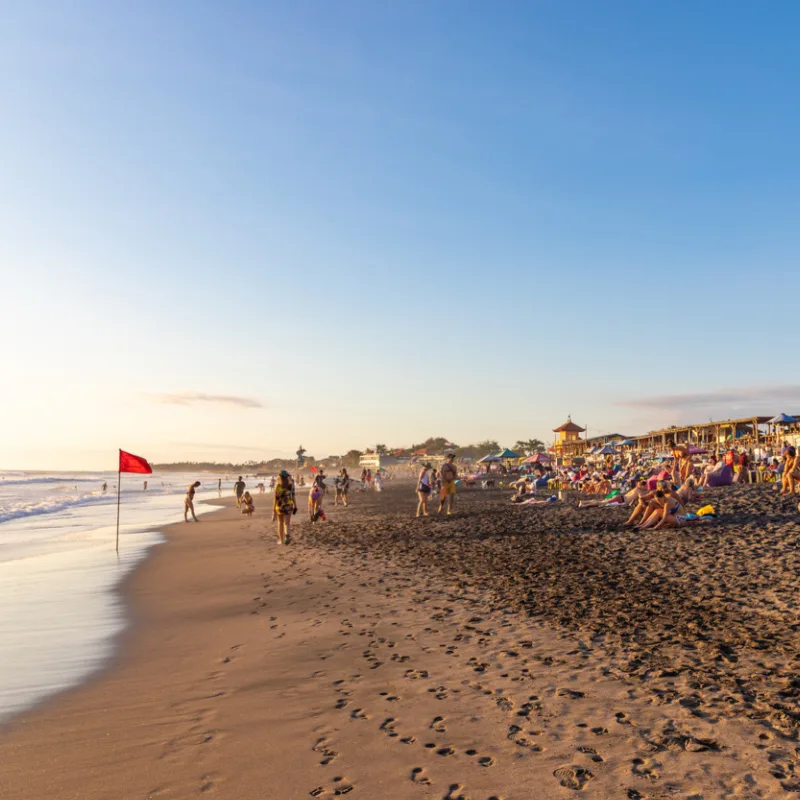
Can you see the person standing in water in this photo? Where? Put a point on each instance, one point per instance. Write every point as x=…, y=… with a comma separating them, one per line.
x=448, y=474
x=145, y=486
x=105, y=486
x=188, y=502
x=284, y=506
x=219, y=485
x=238, y=489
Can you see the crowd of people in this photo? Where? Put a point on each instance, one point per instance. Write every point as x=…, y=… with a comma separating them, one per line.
x=657, y=489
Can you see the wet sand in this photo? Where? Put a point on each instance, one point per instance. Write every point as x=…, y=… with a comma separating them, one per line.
x=504, y=652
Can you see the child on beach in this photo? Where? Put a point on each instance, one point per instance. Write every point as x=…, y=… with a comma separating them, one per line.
x=284, y=506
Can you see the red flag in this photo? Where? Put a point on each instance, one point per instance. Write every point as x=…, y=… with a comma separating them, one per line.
x=313, y=469
x=128, y=462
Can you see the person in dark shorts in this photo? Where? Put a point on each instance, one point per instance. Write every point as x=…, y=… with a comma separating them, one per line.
x=238, y=489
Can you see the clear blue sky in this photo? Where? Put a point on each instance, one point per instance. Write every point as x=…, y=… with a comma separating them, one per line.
x=226, y=229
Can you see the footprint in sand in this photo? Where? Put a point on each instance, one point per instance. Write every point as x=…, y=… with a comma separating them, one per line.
x=573, y=694
x=445, y=752
x=342, y=787
x=438, y=725
x=572, y=777
x=486, y=761
x=359, y=713
x=388, y=727
x=592, y=753
x=418, y=776
x=645, y=768
x=455, y=792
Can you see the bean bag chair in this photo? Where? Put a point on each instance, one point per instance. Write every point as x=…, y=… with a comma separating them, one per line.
x=722, y=478
x=652, y=483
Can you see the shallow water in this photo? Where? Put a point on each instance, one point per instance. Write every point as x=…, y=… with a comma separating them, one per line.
x=59, y=613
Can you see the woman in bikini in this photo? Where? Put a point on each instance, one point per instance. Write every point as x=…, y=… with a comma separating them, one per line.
x=669, y=508
x=284, y=506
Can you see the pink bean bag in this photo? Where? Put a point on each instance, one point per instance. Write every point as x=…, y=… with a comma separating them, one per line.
x=652, y=483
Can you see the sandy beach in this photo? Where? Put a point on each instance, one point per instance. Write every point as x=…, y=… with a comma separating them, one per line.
x=504, y=652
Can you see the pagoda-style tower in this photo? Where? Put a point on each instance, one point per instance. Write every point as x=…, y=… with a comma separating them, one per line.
x=568, y=441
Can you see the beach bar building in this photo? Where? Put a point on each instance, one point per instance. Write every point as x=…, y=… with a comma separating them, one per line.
x=744, y=432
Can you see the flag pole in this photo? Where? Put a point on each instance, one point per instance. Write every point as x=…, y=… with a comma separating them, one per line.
x=119, y=486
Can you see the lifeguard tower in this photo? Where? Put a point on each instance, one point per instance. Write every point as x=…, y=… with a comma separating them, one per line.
x=568, y=442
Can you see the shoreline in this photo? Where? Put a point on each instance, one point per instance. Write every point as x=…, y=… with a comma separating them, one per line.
x=249, y=670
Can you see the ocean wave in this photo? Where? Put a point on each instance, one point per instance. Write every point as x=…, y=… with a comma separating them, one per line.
x=49, y=480
x=21, y=508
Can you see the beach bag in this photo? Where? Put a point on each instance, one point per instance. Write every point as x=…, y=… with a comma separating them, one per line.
x=707, y=511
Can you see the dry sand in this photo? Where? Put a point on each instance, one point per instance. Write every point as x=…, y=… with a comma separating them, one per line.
x=504, y=652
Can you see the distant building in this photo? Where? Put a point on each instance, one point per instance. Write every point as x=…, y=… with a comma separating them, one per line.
x=375, y=461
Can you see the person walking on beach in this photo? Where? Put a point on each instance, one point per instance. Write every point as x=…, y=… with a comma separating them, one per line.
x=424, y=490
x=145, y=486
x=105, y=486
x=219, y=485
x=342, y=487
x=188, y=502
x=448, y=474
x=238, y=489
x=284, y=506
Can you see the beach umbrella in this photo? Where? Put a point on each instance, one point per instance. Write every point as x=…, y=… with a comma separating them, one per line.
x=782, y=419
x=490, y=459
x=538, y=458
x=694, y=450
x=608, y=450
x=507, y=454
x=626, y=443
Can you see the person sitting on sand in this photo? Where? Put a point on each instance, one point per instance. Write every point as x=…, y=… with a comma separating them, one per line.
x=616, y=498
x=714, y=465
x=647, y=505
x=284, y=506
x=667, y=514
x=424, y=490
x=247, y=506
x=791, y=471
x=188, y=502
x=522, y=490
x=687, y=494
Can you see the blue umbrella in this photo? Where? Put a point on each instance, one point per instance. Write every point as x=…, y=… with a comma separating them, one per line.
x=782, y=419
